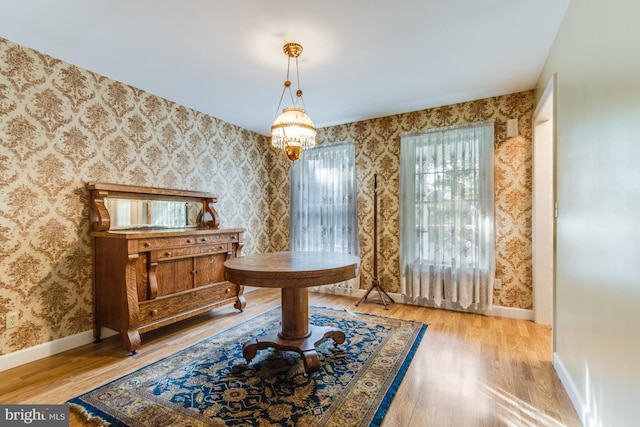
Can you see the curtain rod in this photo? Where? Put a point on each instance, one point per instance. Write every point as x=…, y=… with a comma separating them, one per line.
x=445, y=128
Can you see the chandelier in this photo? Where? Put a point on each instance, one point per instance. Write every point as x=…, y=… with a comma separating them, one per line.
x=292, y=130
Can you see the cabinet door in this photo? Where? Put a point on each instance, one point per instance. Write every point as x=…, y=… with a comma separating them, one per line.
x=210, y=269
x=174, y=275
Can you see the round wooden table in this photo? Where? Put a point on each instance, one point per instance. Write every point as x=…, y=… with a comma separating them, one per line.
x=293, y=273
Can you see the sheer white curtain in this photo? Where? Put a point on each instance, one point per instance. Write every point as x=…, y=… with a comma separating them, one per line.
x=447, y=242
x=323, y=200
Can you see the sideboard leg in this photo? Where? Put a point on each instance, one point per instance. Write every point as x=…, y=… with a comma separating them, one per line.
x=131, y=340
x=240, y=304
x=97, y=332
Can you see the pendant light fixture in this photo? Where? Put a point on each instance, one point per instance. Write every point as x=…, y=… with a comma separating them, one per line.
x=292, y=130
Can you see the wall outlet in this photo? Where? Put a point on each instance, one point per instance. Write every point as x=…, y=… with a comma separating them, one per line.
x=497, y=284
x=12, y=319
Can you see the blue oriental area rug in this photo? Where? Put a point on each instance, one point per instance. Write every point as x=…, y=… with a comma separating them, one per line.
x=210, y=383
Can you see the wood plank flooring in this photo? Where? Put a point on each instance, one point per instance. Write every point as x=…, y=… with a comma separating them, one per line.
x=470, y=370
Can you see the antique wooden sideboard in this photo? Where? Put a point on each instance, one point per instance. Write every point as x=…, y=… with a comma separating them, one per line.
x=158, y=258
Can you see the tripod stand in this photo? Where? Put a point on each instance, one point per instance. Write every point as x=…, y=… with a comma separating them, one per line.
x=375, y=283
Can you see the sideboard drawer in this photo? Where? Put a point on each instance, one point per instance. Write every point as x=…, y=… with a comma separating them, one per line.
x=158, y=309
x=169, y=253
x=165, y=242
x=217, y=238
x=170, y=242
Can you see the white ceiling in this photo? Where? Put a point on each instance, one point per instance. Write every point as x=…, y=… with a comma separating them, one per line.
x=362, y=58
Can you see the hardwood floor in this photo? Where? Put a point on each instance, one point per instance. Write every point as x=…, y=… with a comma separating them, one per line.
x=469, y=370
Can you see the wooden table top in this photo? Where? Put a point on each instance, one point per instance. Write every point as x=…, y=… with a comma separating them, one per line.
x=291, y=269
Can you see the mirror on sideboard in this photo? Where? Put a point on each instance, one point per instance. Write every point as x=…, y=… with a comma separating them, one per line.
x=134, y=213
x=121, y=207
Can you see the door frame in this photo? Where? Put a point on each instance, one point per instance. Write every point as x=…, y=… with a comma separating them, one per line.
x=544, y=207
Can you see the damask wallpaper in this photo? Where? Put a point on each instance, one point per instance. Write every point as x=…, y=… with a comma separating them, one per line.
x=61, y=126
x=378, y=151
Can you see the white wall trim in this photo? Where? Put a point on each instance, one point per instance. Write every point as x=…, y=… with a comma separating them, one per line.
x=498, y=310
x=513, y=313
x=40, y=351
x=543, y=207
x=574, y=394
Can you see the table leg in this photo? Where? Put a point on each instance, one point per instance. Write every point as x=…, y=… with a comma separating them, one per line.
x=296, y=333
x=295, y=313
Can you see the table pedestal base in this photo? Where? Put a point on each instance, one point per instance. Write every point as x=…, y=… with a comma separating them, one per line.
x=304, y=346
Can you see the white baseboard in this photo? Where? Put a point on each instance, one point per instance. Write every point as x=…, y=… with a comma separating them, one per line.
x=40, y=351
x=498, y=310
x=513, y=313
x=574, y=394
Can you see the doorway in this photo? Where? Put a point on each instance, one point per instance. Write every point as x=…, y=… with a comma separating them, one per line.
x=544, y=208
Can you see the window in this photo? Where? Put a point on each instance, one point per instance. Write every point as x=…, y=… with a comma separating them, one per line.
x=446, y=218
x=323, y=200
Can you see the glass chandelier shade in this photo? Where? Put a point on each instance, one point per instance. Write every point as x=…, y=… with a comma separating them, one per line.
x=292, y=130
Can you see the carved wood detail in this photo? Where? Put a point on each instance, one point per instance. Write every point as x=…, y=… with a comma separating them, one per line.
x=153, y=281
x=100, y=220
x=210, y=217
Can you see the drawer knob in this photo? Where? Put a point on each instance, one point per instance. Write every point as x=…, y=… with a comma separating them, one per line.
x=203, y=240
x=189, y=241
x=147, y=244
x=167, y=253
x=228, y=290
x=154, y=311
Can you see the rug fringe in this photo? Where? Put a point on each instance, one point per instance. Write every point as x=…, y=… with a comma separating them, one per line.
x=89, y=417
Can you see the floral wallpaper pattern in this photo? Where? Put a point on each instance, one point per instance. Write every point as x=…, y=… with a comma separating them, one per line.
x=378, y=151
x=61, y=126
